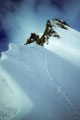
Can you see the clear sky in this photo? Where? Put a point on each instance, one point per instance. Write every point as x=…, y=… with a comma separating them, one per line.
x=18, y=18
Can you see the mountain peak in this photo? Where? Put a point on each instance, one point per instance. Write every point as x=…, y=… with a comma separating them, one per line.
x=49, y=32
x=58, y=23
x=61, y=21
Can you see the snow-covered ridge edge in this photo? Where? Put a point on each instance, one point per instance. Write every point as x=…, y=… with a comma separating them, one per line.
x=13, y=49
x=11, y=46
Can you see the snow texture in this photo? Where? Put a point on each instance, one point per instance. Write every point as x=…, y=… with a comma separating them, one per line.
x=42, y=84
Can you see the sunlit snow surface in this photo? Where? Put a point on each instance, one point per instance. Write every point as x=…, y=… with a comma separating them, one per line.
x=41, y=84
x=68, y=46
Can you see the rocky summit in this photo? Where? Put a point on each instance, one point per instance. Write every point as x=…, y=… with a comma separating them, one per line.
x=49, y=32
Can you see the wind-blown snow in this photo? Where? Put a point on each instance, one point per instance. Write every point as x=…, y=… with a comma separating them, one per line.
x=41, y=84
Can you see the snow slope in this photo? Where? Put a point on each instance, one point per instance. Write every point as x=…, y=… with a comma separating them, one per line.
x=42, y=84
x=67, y=46
x=13, y=99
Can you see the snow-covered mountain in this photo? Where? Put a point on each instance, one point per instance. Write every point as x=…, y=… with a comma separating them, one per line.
x=42, y=83
x=59, y=38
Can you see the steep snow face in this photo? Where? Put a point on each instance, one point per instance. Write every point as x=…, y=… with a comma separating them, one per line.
x=67, y=46
x=40, y=78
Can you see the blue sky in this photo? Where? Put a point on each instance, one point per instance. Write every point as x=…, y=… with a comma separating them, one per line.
x=18, y=18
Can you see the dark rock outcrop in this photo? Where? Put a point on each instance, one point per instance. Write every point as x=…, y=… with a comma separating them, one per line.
x=49, y=32
x=61, y=23
x=33, y=38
